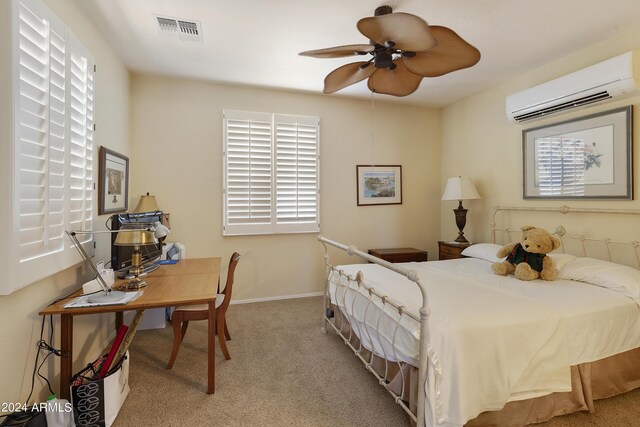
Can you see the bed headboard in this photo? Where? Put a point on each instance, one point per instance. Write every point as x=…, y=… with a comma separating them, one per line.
x=620, y=250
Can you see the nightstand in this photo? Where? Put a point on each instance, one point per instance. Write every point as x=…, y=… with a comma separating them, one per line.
x=451, y=250
x=400, y=254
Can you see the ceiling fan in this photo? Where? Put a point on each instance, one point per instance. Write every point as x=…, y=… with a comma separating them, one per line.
x=403, y=49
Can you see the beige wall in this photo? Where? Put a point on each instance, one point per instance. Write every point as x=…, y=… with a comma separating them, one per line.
x=175, y=129
x=479, y=141
x=19, y=320
x=176, y=155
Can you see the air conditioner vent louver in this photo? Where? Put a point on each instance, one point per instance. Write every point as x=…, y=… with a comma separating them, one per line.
x=188, y=30
x=564, y=106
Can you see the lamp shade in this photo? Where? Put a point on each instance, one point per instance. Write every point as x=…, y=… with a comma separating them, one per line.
x=161, y=230
x=147, y=204
x=460, y=188
x=135, y=238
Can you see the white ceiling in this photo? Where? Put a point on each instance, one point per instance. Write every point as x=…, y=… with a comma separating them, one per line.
x=256, y=42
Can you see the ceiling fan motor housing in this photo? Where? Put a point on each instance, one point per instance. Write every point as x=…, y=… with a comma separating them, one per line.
x=382, y=10
x=383, y=58
x=383, y=55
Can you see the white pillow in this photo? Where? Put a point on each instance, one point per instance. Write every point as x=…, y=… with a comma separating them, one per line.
x=486, y=251
x=560, y=259
x=619, y=278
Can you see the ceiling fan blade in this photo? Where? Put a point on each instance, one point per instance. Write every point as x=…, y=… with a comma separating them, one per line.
x=339, y=51
x=450, y=54
x=408, y=32
x=347, y=75
x=398, y=82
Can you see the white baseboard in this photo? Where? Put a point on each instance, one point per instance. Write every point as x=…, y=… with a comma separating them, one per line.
x=252, y=300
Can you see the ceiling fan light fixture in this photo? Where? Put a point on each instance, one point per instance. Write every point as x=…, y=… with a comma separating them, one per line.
x=404, y=49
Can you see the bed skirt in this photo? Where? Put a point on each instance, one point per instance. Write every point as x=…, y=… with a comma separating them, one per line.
x=589, y=381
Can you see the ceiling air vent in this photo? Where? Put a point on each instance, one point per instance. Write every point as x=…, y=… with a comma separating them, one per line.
x=187, y=30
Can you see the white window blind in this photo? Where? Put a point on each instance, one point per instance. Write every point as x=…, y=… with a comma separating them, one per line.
x=53, y=144
x=271, y=173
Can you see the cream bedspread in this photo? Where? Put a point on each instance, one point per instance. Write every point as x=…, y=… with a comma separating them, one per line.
x=492, y=339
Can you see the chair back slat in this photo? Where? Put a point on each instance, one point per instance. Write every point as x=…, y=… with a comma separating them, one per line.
x=228, y=287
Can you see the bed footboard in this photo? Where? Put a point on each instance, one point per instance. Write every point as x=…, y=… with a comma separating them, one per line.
x=366, y=344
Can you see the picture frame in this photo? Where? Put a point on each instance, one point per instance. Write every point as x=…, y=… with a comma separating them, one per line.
x=113, y=182
x=585, y=158
x=379, y=184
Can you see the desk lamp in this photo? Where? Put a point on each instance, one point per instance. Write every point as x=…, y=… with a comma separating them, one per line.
x=161, y=231
x=135, y=238
x=460, y=188
x=108, y=295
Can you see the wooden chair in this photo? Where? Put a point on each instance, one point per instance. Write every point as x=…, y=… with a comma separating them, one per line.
x=183, y=314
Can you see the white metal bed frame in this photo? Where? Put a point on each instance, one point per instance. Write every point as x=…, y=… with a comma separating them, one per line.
x=358, y=286
x=562, y=233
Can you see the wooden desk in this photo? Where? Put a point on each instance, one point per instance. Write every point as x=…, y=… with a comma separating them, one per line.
x=190, y=281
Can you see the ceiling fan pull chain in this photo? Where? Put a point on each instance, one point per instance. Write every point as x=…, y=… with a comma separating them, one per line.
x=373, y=133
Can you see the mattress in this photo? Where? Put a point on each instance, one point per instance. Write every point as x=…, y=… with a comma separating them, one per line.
x=494, y=339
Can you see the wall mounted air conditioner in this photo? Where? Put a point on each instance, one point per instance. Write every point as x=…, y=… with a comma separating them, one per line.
x=613, y=78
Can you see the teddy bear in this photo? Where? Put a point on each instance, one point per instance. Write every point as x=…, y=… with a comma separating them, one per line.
x=528, y=259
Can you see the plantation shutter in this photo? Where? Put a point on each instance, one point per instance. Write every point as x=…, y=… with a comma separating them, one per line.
x=80, y=139
x=296, y=159
x=52, y=164
x=271, y=180
x=41, y=133
x=247, y=172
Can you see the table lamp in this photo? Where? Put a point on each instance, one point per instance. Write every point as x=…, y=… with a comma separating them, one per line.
x=147, y=204
x=135, y=238
x=460, y=188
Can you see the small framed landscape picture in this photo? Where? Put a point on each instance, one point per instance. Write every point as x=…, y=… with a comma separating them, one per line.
x=113, y=182
x=379, y=185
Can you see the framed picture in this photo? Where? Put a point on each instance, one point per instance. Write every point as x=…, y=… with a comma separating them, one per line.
x=379, y=185
x=585, y=158
x=113, y=182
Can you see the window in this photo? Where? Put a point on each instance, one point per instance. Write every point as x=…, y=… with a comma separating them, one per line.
x=271, y=173
x=53, y=145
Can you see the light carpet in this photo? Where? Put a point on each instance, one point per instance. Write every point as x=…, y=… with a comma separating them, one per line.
x=282, y=372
